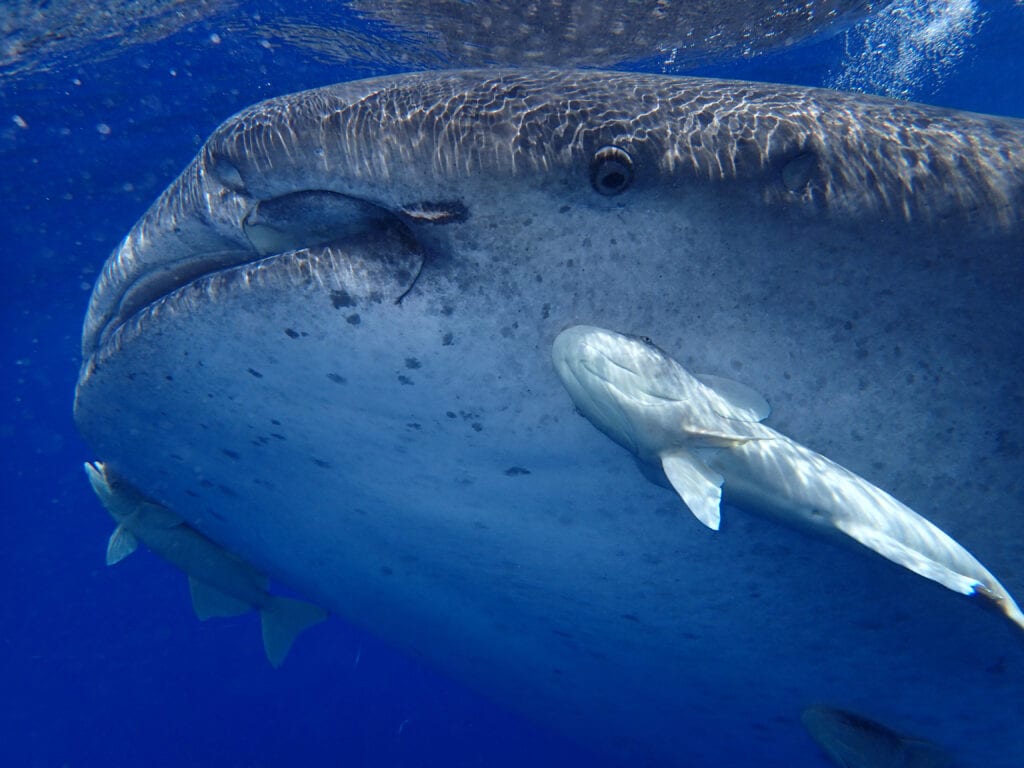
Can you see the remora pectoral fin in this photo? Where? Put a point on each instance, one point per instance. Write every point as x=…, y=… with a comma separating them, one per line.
x=209, y=602
x=699, y=486
x=121, y=543
x=899, y=553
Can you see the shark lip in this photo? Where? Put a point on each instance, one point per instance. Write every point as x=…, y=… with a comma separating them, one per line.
x=379, y=268
x=138, y=275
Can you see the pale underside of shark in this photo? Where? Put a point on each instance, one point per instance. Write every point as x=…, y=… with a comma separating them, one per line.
x=326, y=349
x=704, y=432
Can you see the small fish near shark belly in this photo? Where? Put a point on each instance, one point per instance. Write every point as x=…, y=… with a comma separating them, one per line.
x=221, y=583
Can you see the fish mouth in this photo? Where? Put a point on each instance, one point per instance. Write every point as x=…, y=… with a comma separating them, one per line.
x=171, y=248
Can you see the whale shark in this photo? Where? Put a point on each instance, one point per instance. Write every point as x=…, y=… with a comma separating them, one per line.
x=326, y=348
x=704, y=432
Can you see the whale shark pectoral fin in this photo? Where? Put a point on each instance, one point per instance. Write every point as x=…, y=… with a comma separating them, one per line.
x=699, y=486
x=745, y=404
x=209, y=602
x=896, y=551
x=121, y=543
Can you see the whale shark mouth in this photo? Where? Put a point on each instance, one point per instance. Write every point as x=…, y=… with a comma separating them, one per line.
x=305, y=227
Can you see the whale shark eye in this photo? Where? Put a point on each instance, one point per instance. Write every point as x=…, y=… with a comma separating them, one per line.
x=611, y=171
x=647, y=340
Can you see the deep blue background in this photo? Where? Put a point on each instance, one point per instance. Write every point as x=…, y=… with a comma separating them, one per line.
x=110, y=666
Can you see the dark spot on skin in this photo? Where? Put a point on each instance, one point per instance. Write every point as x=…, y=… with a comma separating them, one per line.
x=630, y=617
x=545, y=312
x=206, y=484
x=562, y=633
x=169, y=377
x=227, y=491
x=176, y=457
x=477, y=426
x=336, y=378
x=278, y=436
x=450, y=414
x=193, y=494
x=447, y=311
x=387, y=570
x=341, y=298
x=557, y=671
x=131, y=377
x=516, y=471
x=321, y=463
x=447, y=339
x=256, y=373
x=412, y=363
x=405, y=380
x=291, y=334
x=565, y=209
x=414, y=425
x=1006, y=445
x=275, y=422
x=229, y=453
x=570, y=263
x=353, y=319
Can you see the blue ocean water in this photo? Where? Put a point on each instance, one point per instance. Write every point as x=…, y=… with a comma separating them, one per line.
x=109, y=665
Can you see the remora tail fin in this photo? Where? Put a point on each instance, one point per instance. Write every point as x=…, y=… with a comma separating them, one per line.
x=283, y=620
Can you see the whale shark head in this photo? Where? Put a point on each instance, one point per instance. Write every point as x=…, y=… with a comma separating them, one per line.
x=326, y=347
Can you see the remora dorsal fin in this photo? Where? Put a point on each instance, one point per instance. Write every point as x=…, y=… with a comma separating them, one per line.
x=744, y=403
x=209, y=602
x=121, y=543
x=699, y=486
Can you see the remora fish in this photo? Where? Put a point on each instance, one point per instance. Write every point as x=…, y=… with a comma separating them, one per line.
x=704, y=433
x=327, y=347
x=854, y=741
x=221, y=583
